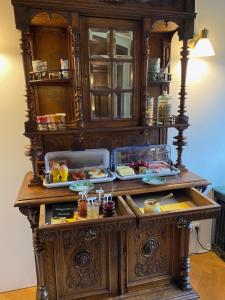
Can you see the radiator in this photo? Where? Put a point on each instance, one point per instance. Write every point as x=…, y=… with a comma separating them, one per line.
x=219, y=242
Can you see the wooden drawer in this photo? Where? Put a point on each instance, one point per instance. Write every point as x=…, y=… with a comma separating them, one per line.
x=200, y=206
x=82, y=257
x=158, y=244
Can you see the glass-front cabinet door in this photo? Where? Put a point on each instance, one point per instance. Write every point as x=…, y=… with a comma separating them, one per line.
x=111, y=71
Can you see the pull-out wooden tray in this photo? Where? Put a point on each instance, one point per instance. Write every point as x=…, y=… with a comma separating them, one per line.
x=186, y=203
x=123, y=214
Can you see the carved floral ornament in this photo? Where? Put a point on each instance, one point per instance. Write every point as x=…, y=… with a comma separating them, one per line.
x=150, y=247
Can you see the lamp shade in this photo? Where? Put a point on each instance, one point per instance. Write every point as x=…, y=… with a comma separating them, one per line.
x=203, y=48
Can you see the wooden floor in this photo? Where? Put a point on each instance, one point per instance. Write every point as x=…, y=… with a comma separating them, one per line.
x=207, y=274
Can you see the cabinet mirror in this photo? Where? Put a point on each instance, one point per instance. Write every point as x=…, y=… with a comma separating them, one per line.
x=112, y=66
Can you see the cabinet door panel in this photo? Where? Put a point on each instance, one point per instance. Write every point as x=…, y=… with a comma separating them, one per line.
x=149, y=251
x=84, y=264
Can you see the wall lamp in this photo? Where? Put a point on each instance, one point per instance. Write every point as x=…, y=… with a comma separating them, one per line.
x=201, y=46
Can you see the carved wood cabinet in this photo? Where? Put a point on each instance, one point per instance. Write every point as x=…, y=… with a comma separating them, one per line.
x=91, y=70
x=128, y=256
x=93, y=63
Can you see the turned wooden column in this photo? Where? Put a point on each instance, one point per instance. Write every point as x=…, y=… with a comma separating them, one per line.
x=146, y=60
x=33, y=150
x=182, y=118
x=184, y=276
x=38, y=246
x=78, y=98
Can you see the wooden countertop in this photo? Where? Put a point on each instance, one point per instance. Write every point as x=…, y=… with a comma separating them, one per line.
x=36, y=195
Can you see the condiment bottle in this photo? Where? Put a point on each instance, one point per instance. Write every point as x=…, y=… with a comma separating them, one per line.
x=92, y=208
x=164, y=108
x=109, y=206
x=100, y=200
x=82, y=205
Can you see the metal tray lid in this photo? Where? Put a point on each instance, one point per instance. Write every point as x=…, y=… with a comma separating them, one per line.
x=149, y=153
x=90, y=158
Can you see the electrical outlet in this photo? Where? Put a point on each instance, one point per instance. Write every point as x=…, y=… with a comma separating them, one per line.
x=195, y=225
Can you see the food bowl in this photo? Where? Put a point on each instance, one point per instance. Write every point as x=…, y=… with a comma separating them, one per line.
x=154, y=180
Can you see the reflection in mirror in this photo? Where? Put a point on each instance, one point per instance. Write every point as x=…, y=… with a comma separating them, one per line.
x=100, y=105
x=163, y=26
x=100, y=75
x=122, y=105
x=99, y=42
x=123, y=75
x=123, y=44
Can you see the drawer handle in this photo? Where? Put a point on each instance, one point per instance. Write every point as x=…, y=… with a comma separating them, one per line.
x=90, y=235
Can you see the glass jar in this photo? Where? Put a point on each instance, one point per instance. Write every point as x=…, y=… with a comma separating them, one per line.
x=52, y=124
x=61, y=119
x=150, y=207
x=149, y=111
x=164, y=111
x=154, y=68
x=42, y=123
x=109, y=208
x=82, y=208
x=92, y=208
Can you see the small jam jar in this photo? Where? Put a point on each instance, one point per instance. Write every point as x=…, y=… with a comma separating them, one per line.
x=92, y=208
x=150, y=207
x=42, y=123
x=109, y=208
x=82, y=208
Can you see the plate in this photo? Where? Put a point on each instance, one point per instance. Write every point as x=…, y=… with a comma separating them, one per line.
x=81, y=186
x=154, y=180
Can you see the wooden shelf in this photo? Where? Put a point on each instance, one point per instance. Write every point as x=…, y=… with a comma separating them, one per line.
x=105, y=129
x=50, y=81
x=159, y=82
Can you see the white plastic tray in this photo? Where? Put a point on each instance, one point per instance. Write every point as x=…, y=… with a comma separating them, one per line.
x=80, y=160
x=110, y=178
x=173, y=171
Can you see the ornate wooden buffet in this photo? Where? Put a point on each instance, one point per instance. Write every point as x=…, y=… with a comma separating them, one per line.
x=104, y=93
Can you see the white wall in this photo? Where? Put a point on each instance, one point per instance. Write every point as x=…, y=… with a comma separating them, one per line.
x=205, y=153
x=16, y=254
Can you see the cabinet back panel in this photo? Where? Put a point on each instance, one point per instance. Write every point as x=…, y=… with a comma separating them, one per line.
x=54, y=99
x=50, y=44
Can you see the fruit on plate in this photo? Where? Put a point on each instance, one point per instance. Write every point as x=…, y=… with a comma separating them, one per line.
x=55, y=171
x=99, y=174
x=125, y=171
x=63, y=170
x=93, y=171
x=78, y=175
x=142, y=170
